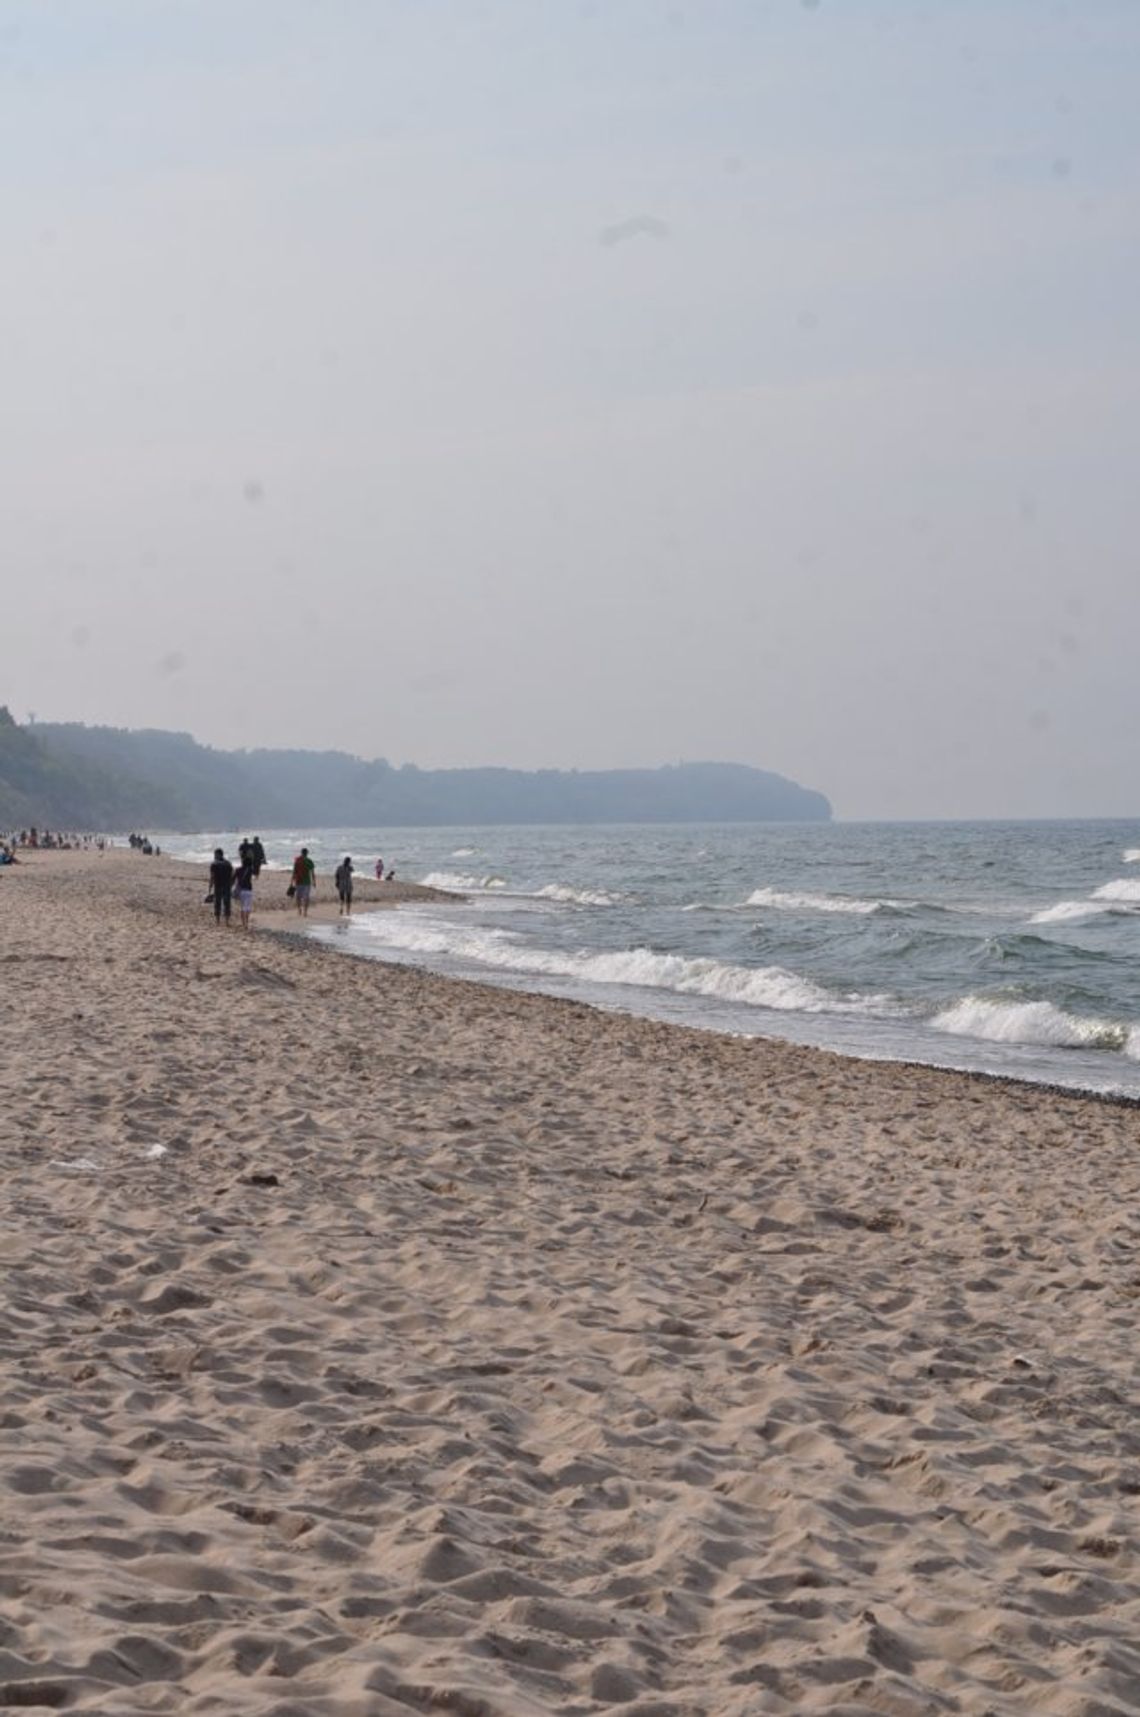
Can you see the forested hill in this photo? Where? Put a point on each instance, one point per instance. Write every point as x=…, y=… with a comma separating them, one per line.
x=56, y=789
x=112, y=778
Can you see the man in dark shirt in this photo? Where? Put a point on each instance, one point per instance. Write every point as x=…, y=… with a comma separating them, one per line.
x=221, y=884
x=258, y=855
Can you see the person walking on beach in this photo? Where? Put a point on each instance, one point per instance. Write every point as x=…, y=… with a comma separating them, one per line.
x=243, y=883
x=304, y=875
x=221, y=885
x=258, y=856
x=344, y=886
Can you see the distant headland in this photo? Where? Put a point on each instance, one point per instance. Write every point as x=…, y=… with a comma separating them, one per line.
x=70, y=775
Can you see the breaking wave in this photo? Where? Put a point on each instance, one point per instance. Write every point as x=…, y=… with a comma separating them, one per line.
x=754, y=986
x=1069, y=911
x=578, y=896
x=1126, y=888
x=1132, y=855
x=460, y=884
x=1035, y=1023
x=793, y=901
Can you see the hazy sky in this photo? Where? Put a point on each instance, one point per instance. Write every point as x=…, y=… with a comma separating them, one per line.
x=554, y=383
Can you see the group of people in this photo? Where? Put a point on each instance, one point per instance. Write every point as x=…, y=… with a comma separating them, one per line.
x=49, y=840
x=228, y=880
x=53, y=841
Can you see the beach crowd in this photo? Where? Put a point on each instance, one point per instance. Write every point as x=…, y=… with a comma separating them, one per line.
x=52, y=841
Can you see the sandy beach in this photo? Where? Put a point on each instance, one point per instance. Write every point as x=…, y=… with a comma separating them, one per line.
x=375, y=1343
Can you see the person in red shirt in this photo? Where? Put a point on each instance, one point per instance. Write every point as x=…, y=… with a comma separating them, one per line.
x=304, y=875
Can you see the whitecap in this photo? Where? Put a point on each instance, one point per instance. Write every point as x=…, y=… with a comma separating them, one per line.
x=459, y=883
x=464, y=852
x=790, y=900
x=643, y=968
x=1126, y=888
x=1030, y=1022
x=578, y=896
x=1132, y=855
x=1065, y=911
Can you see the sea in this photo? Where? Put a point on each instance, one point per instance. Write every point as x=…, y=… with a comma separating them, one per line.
x=1004, y=948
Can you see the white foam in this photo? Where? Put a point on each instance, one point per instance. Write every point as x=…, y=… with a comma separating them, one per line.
x=463, y=852
x=1066, y=911
x=578, y=896
x=459, y=883
x=1125, y=888
x=1132, y=855
x=794, y=901
x=1034, y=1023
x=754, y=986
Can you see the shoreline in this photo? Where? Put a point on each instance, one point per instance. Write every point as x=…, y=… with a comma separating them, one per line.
x=1010, y=1081
x=438, y=1346
x=370, y=895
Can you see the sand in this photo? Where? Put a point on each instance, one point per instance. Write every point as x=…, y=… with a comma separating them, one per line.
x=377, y=1344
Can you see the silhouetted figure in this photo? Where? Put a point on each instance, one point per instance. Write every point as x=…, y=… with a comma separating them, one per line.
x=344, y=886
x=221, y=885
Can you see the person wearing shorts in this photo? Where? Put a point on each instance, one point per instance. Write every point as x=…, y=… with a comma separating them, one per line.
x=304, y=874
x=243, y=888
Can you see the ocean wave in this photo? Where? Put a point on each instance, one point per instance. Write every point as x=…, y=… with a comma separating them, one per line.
x=578, y=896
x=464, y=852
x=460, y=884
x=1034, y=1023
x=1069, y=911
x=1125, y=888
x=790, y=900
x=1132, y=855
x=1016, y=946
x=643, y=968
